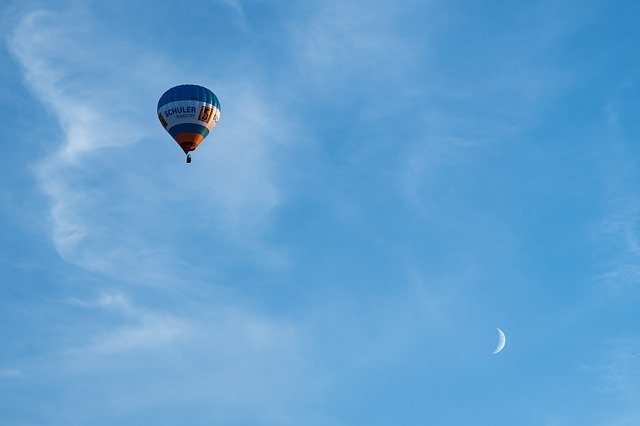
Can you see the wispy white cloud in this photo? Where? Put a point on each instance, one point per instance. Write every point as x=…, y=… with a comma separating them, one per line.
x=240, y=156
x=620, y=233
x=144, y=329
x=235, y=5
x=617, y=377
x=151, y=332
x=116, y=215
x=63, y=70
x=620, y=373
x=105, y=110
x=360, y=53
x=11, y=373
x=337, y=43
x=617, y=234
x=64, y=73
x=232, y=362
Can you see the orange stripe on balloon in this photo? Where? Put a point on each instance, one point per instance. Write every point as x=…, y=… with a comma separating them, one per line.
x=189, y=137
x=189, y=141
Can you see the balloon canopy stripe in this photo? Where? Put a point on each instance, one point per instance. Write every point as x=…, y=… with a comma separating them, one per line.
x=188, y=128
x=188, y=141
x=189, y=92
x=191, y=138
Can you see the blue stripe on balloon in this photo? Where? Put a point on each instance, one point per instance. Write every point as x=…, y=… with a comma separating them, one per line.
x=189, y=92
x=188, y=128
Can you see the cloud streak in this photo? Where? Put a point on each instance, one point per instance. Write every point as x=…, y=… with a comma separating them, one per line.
x=127, y=222
x=99, y=105
x=11, y=373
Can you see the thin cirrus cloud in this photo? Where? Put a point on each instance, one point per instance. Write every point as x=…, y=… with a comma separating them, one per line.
x=11, y=373
x=233, y=357
x=618, y=232
x=144, y=329
x=617, y=376
x=49, y=52
x=104, y=207
x=337, y=42
x=97, y=103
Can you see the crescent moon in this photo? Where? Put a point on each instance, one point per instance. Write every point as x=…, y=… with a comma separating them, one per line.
x=502, y=341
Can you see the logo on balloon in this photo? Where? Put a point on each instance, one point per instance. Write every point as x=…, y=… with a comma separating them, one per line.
x=205, y=113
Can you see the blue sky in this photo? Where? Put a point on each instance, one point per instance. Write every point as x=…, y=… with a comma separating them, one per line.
x=388, y=183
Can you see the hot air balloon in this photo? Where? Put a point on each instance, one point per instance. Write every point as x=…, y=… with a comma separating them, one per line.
x=188, y=112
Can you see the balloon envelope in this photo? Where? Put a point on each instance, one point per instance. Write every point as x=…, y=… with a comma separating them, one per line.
x=189, y=112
